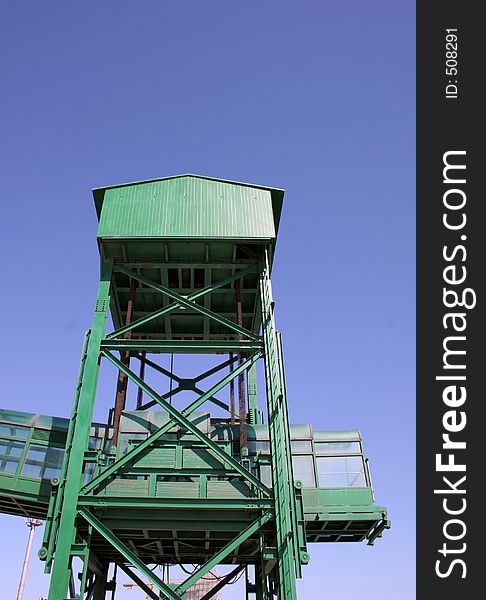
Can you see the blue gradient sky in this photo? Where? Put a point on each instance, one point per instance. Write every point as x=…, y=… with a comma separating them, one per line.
x=315, y=97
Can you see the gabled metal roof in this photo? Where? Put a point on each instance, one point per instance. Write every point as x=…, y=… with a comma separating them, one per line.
x=276, y=193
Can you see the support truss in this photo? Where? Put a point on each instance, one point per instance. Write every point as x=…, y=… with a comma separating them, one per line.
x=81, y=512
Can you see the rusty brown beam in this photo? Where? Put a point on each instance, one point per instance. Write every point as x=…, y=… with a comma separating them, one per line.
x=122, y=382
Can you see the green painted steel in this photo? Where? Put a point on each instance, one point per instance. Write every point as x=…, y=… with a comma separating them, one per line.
x=187, y=207
x=282, y=472
x=351, y=509
x=175, y=485
x=83, y=417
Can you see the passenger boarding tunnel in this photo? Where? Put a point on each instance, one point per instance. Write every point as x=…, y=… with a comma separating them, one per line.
x=333, y=471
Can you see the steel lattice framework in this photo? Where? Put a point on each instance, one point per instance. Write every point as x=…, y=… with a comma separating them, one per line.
x=185, y=268
x=80, y=512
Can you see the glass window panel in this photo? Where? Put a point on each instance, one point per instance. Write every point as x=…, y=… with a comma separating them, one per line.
x=341, y=471
x=331, y=464
x=32, y=470
x=354, y=463
x=89, y=469
x=9, y=466
x=261, y=446
x=37, y=453
x=13, y=430
x=95, y=442
x=10, y=448
x=10, y=453
x=337, y=447
x=43, y=461
x=329, y=480
x=357, y=479
x=301, y=446
x=266, y=475
x=50, y=472
x=304, y=470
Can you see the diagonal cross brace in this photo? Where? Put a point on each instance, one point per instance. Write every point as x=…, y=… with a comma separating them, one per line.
x=182, y=300
x=130, y=456
x=219, y=556
x=165, y=396
x=188, y=384
x=165, y=428
x=184, y=421
x=128, y=554
x=166, y=309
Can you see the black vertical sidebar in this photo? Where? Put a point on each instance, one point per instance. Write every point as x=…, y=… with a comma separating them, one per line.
x=451, y=367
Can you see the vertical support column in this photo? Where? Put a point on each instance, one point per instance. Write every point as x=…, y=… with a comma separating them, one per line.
x=232, y=391
x=282, y=475
x=66, y=533
x=121, y=387
x=241, y=376
x=251, y=382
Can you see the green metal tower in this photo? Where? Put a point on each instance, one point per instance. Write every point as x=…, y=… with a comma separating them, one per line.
x=185, y=269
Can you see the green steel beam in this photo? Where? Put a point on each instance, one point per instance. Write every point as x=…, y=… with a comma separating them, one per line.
x=186, y=522
x=223, y=553
x=51, y=528
x=189, y=304
x=175, y=503
x=184, y=346
x=171, y=307
x=132, y=454
x=282, y=475
x=128, y=554
x=182, y=420
x=200, y=377
x=294, y=491
x=214, y=265
x=66, y=532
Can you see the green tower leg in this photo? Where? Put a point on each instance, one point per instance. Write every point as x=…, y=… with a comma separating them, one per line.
x=282, y=475
x=61, y=567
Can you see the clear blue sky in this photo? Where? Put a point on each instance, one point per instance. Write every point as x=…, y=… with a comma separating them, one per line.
x=316, y=97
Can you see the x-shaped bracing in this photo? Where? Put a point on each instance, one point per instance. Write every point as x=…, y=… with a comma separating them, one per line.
x=184, y=301
x=187, y=384
x=174, y=594
x=181, y=418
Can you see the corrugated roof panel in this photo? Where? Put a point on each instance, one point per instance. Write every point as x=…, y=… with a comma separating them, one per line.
x=187, y=207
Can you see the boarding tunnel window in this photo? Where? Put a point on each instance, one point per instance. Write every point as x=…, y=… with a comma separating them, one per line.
x=13, y=431
x=43, y=462
x=10, y=453
x=256, y=447
x=322, y=464
x=340, y=471
x=304, y=469
x=337, y=447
